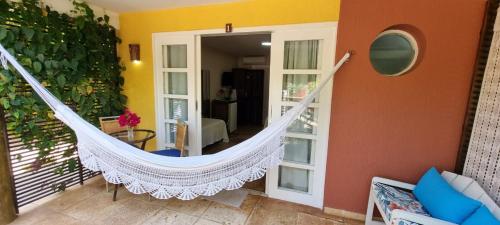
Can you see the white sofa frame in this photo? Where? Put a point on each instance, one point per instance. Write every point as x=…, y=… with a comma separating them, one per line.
x=463, y=184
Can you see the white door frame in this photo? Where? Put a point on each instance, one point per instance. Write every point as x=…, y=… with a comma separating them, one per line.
x=160, y=114
x=319, y=145
x=237, y=31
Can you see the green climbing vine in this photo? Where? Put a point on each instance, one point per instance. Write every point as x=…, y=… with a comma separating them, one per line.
x=73, y=56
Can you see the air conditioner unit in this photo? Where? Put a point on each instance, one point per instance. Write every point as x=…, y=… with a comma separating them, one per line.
x=258, y=60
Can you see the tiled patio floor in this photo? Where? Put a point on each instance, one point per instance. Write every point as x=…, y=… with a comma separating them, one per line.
x=91, y=204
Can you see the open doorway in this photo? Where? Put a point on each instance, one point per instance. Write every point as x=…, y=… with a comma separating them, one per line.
x=301, y=56
x=235, y=90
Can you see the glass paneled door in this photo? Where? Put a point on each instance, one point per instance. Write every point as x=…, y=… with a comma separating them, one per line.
x=175, y=88
x=299, y=62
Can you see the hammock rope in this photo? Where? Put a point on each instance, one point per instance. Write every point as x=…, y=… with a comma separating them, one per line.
x=166, y=177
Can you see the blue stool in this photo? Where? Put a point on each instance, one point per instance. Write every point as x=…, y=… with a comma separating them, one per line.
x=168, y=152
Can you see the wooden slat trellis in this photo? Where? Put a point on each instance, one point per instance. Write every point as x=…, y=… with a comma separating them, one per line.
x=32, y=184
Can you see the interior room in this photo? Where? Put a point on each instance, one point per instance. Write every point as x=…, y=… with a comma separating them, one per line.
x=235, y=88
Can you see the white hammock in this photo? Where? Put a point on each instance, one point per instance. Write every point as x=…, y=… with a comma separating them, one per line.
x=165, y=177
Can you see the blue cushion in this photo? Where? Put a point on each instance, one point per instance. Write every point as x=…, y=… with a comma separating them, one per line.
x=441, y=200
x=168, y=152
x=482, y=216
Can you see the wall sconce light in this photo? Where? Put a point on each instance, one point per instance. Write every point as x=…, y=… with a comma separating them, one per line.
x=135, y=52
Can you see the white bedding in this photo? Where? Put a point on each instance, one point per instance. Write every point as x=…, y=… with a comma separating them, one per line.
x=213, y=130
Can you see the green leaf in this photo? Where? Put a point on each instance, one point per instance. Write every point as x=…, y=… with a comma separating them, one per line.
x=55, y=64
x=48, y=64
x=74, y=57
x=89, y=90
x=3, y=33
x=71, y=165
x=19, y=45
x=16, y=114
x=5, y=103
x=75, y=95
x=61, y=80
x=15, y=102
x=59, y=171
x=26, y=62
x=40, y=57
x=28, y=33
x=37, y=67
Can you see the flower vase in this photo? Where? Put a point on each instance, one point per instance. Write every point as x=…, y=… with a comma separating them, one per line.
x=130, y=133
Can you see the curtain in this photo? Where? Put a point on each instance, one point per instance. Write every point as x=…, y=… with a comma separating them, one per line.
x=174, y=56
x=177, y=83
x=301, y=54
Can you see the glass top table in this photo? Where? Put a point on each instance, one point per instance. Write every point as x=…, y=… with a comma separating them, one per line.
x=140, y=138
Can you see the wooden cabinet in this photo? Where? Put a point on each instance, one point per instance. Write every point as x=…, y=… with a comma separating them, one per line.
x=249, y=85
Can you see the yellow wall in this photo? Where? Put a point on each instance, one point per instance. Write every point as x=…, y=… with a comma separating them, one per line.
x=138, y=28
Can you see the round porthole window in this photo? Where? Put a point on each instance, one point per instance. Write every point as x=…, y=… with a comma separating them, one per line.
x=393, y=52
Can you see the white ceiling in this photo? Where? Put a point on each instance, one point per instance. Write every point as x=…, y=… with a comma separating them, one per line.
x=239, y=45
x=121, y=6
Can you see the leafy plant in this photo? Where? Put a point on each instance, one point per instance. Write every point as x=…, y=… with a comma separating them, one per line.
x=74, y=57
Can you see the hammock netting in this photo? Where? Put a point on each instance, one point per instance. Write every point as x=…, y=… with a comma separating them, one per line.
x=165, y=177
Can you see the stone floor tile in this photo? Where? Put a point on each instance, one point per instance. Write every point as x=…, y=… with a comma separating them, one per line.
x=92, y=205
x=231, y=215
x=202, y=221
x=45, y=216
x=33, y=216
x=66, y=199
x=60, y=219
x=273, y=211
x=355, y=222
x=308, y=219
x=169, y=217
x=272, y=217
x=131, y=211
x=152, y=200
x=96, y=208
x=195, y=207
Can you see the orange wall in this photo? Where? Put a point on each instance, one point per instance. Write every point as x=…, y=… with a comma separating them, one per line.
x=397, y=127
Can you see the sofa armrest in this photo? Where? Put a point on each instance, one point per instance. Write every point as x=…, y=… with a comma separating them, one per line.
x=417, y=218
x=394, y=183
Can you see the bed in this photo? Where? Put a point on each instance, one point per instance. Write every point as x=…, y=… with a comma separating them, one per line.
x=213, y=130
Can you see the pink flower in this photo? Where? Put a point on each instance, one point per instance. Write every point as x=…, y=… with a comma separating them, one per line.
x=129, y=119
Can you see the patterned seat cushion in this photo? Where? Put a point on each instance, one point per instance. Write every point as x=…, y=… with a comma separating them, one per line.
x=403, y=222
x=391, y=198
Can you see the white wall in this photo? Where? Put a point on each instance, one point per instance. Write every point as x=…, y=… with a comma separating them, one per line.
x=65, y=6
x=216, y=62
